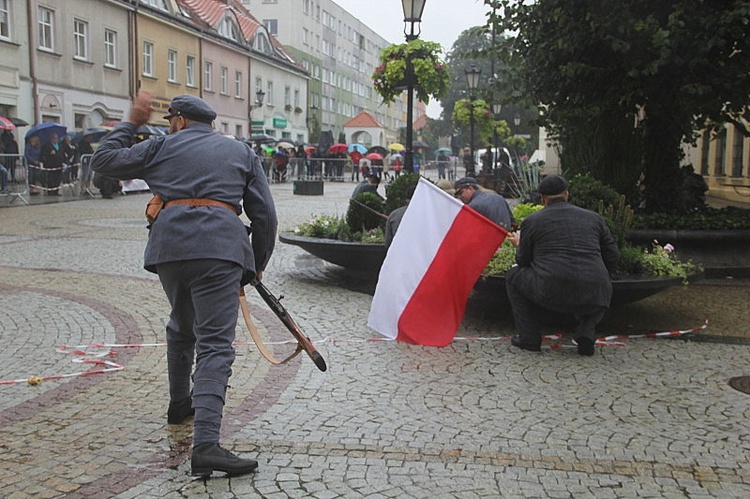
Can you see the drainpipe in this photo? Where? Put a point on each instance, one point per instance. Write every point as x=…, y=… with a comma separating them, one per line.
x=32, y=64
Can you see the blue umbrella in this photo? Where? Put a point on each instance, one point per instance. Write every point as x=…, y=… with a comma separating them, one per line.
x=96, y=134
x=358, y=147
x=45, y=130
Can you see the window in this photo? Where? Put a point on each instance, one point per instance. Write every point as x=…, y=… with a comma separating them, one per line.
x=296, y=98
x=229, y=29
x=110, y=48
x=287, y=96
x=5, y=19
x=159, y=4
x=46, y=29
x=171, y=65
x=238, y=131
x=737, y=152
x=306, y=6
x=272, y=25
x=258, y=85
x=304, y=36
x=269, y=93
x=223, y=80
x=81, y=39
x=238, y=84
x=148, y=59
x=190, y=71
x=208, y=72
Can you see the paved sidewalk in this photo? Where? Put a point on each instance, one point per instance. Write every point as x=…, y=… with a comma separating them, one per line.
x=653, y=418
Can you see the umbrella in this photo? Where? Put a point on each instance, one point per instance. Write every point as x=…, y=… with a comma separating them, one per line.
x=337, y=148
x=310, y=148
x=442, y=149
x=358, y=147
x=378, y=149
x=148, y=130
x=285, y=145
x=96, y=134
x=18, y=121
x=261, y=138
x=418, y=144
x=374, y=156
x=396, y=147
x=396, y=156
x=6, y=124
x=45, y=130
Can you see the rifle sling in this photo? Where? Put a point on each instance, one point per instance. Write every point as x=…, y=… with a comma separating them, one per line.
x=255, y=334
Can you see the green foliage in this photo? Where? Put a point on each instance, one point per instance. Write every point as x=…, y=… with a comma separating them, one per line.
x=587, y=192
x=359, y=219
x=619, y=218
x=483, y=118
x=662, y=261
x=523, y=210
x=502, y=260
x=395, y=192
x=729, y=218
x=373, y=236
x=324, y=226
x=648, y=74
x=429, y=73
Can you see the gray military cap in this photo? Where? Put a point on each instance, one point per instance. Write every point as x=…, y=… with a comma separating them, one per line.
x=191, y=107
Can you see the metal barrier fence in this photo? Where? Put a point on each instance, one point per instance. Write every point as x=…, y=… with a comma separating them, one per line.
x=15, y=178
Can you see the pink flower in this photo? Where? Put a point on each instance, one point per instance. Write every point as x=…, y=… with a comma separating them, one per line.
x=669, y=247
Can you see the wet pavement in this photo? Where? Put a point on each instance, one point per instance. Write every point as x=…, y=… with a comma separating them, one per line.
x=478, y=418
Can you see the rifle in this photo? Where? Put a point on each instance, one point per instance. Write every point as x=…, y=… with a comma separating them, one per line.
x=303, y=342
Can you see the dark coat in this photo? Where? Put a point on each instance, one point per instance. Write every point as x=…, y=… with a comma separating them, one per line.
x=196, y=162
x=565, y=258
x=492, y=206
x=51, y=157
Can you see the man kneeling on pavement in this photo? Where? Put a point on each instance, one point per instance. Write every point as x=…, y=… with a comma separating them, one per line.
x=565, y=255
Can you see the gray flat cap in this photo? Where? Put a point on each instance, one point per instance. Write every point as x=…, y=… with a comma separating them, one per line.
x=191, y=107
x=465, y=182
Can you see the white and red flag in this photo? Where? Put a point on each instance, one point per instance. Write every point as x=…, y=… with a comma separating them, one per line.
x=436, y=257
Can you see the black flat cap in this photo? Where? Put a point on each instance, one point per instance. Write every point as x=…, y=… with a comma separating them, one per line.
x=552, y=185
x=191, y=107
x=465, y=182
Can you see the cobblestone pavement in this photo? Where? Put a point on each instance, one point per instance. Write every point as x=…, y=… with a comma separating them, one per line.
x=654, y=418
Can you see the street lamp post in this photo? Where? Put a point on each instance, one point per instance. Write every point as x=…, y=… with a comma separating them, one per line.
x=472, y=78
x=496, y=108
x=259, y=96
x=412, y=16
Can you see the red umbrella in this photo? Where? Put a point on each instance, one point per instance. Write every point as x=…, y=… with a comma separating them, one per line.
x=337, y=148
x=6, y=124
x=374, y=155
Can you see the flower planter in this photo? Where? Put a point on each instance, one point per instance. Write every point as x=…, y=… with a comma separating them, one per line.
x=364, y=261
x=720, y=252
x=491, y=289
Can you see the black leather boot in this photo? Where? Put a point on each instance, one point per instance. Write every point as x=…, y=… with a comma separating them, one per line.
x=209, y=457
x=180, y=411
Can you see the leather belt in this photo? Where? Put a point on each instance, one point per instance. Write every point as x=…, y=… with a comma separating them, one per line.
x=202, y=202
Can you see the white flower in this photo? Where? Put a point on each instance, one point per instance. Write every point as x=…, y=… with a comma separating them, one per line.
x=669, y=247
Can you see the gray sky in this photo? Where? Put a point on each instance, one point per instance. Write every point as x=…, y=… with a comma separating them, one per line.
x=442, y=21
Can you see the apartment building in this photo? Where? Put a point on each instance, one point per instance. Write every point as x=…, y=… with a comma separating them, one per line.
x=341, y=53
x=79, y=62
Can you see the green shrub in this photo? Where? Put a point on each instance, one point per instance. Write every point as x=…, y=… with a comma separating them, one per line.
x=523, y=210
x=360, y=219
x=709, y=219
x=587, y=192
x=395, y=192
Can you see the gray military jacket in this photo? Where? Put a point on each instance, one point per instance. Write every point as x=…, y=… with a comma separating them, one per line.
x=492, y=206
x=197, y=162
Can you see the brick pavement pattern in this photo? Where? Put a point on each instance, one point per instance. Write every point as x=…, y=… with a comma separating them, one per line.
x=655, y=418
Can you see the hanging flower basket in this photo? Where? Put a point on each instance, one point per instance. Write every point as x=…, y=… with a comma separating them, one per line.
x=427, y=72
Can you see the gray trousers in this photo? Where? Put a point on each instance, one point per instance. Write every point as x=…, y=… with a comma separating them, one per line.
x=529, y=315
x=204, y=295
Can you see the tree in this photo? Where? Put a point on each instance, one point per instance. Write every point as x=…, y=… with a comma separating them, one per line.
x=643, y=73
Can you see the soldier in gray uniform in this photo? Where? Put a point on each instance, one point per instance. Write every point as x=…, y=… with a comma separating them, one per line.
x=565, y=255
x=200, y=249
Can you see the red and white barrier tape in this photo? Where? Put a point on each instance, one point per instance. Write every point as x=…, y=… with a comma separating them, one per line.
x=92, y=353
